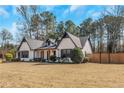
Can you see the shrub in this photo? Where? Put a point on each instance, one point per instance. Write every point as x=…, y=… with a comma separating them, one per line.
x=8, y=56
x=77, y=55
x=15, y=60
x=12, y=51
x=86, y=59
x=36, y=59
x=66, y=60
x=53, y=58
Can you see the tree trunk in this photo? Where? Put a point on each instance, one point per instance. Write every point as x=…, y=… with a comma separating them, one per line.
x=108, y=47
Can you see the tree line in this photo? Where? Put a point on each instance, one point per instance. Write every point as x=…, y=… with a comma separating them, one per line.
x=106, y=32
x=41, y=25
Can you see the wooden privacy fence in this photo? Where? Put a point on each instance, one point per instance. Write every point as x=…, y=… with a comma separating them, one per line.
x=117, y=58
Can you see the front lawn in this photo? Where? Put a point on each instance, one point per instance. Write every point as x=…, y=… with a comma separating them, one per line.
x=21, y=74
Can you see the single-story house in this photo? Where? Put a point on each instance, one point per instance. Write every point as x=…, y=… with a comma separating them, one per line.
x=29, y=49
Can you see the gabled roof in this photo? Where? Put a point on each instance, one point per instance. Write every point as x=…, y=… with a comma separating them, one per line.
x=38, y=44
x=52, y=44
x=78, y=41
x=33, y=44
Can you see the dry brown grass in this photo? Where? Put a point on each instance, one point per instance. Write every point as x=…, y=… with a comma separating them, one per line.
x=61, y=75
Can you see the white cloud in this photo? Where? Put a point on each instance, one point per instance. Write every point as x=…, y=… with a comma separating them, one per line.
x=74, y=7
x=13, y=28
x=66, y=11
x=3, y=12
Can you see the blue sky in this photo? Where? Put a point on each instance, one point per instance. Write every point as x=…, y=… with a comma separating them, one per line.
x=9, y=16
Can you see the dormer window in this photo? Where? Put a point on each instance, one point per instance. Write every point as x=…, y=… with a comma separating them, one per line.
x=48, y=43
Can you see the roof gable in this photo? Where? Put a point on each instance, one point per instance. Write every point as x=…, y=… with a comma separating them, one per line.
x=66, y=43
x=83, y=40
x=75, y=40
x=24, y=46
x=32, y=43
x=78, y=41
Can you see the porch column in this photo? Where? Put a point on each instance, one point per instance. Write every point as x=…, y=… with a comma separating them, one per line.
x=39, y=54
x=48, y=54
x=34, y=54
x=17, y=54
x=20, y=55
x=59, y=52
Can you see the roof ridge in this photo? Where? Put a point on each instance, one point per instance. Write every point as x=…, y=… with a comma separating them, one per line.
x=33, y=39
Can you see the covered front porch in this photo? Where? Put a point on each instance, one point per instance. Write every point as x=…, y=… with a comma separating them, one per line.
x=44, y=54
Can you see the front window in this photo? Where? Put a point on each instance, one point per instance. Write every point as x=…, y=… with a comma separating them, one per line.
x=25, y=54
x=66, y=52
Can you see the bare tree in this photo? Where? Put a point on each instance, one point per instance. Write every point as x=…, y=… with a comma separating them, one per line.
x=25, y=19
x=113, y=18
x=113, y=21
x=5, y=37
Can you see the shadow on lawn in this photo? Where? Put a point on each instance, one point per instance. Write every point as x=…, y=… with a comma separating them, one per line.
x=53, y=63
x=44, y=64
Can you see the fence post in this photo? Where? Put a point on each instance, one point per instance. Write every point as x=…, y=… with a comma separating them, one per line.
x=100, y=57
x=109, y=56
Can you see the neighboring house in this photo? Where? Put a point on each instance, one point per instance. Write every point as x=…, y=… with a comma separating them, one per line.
x=30, y=49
